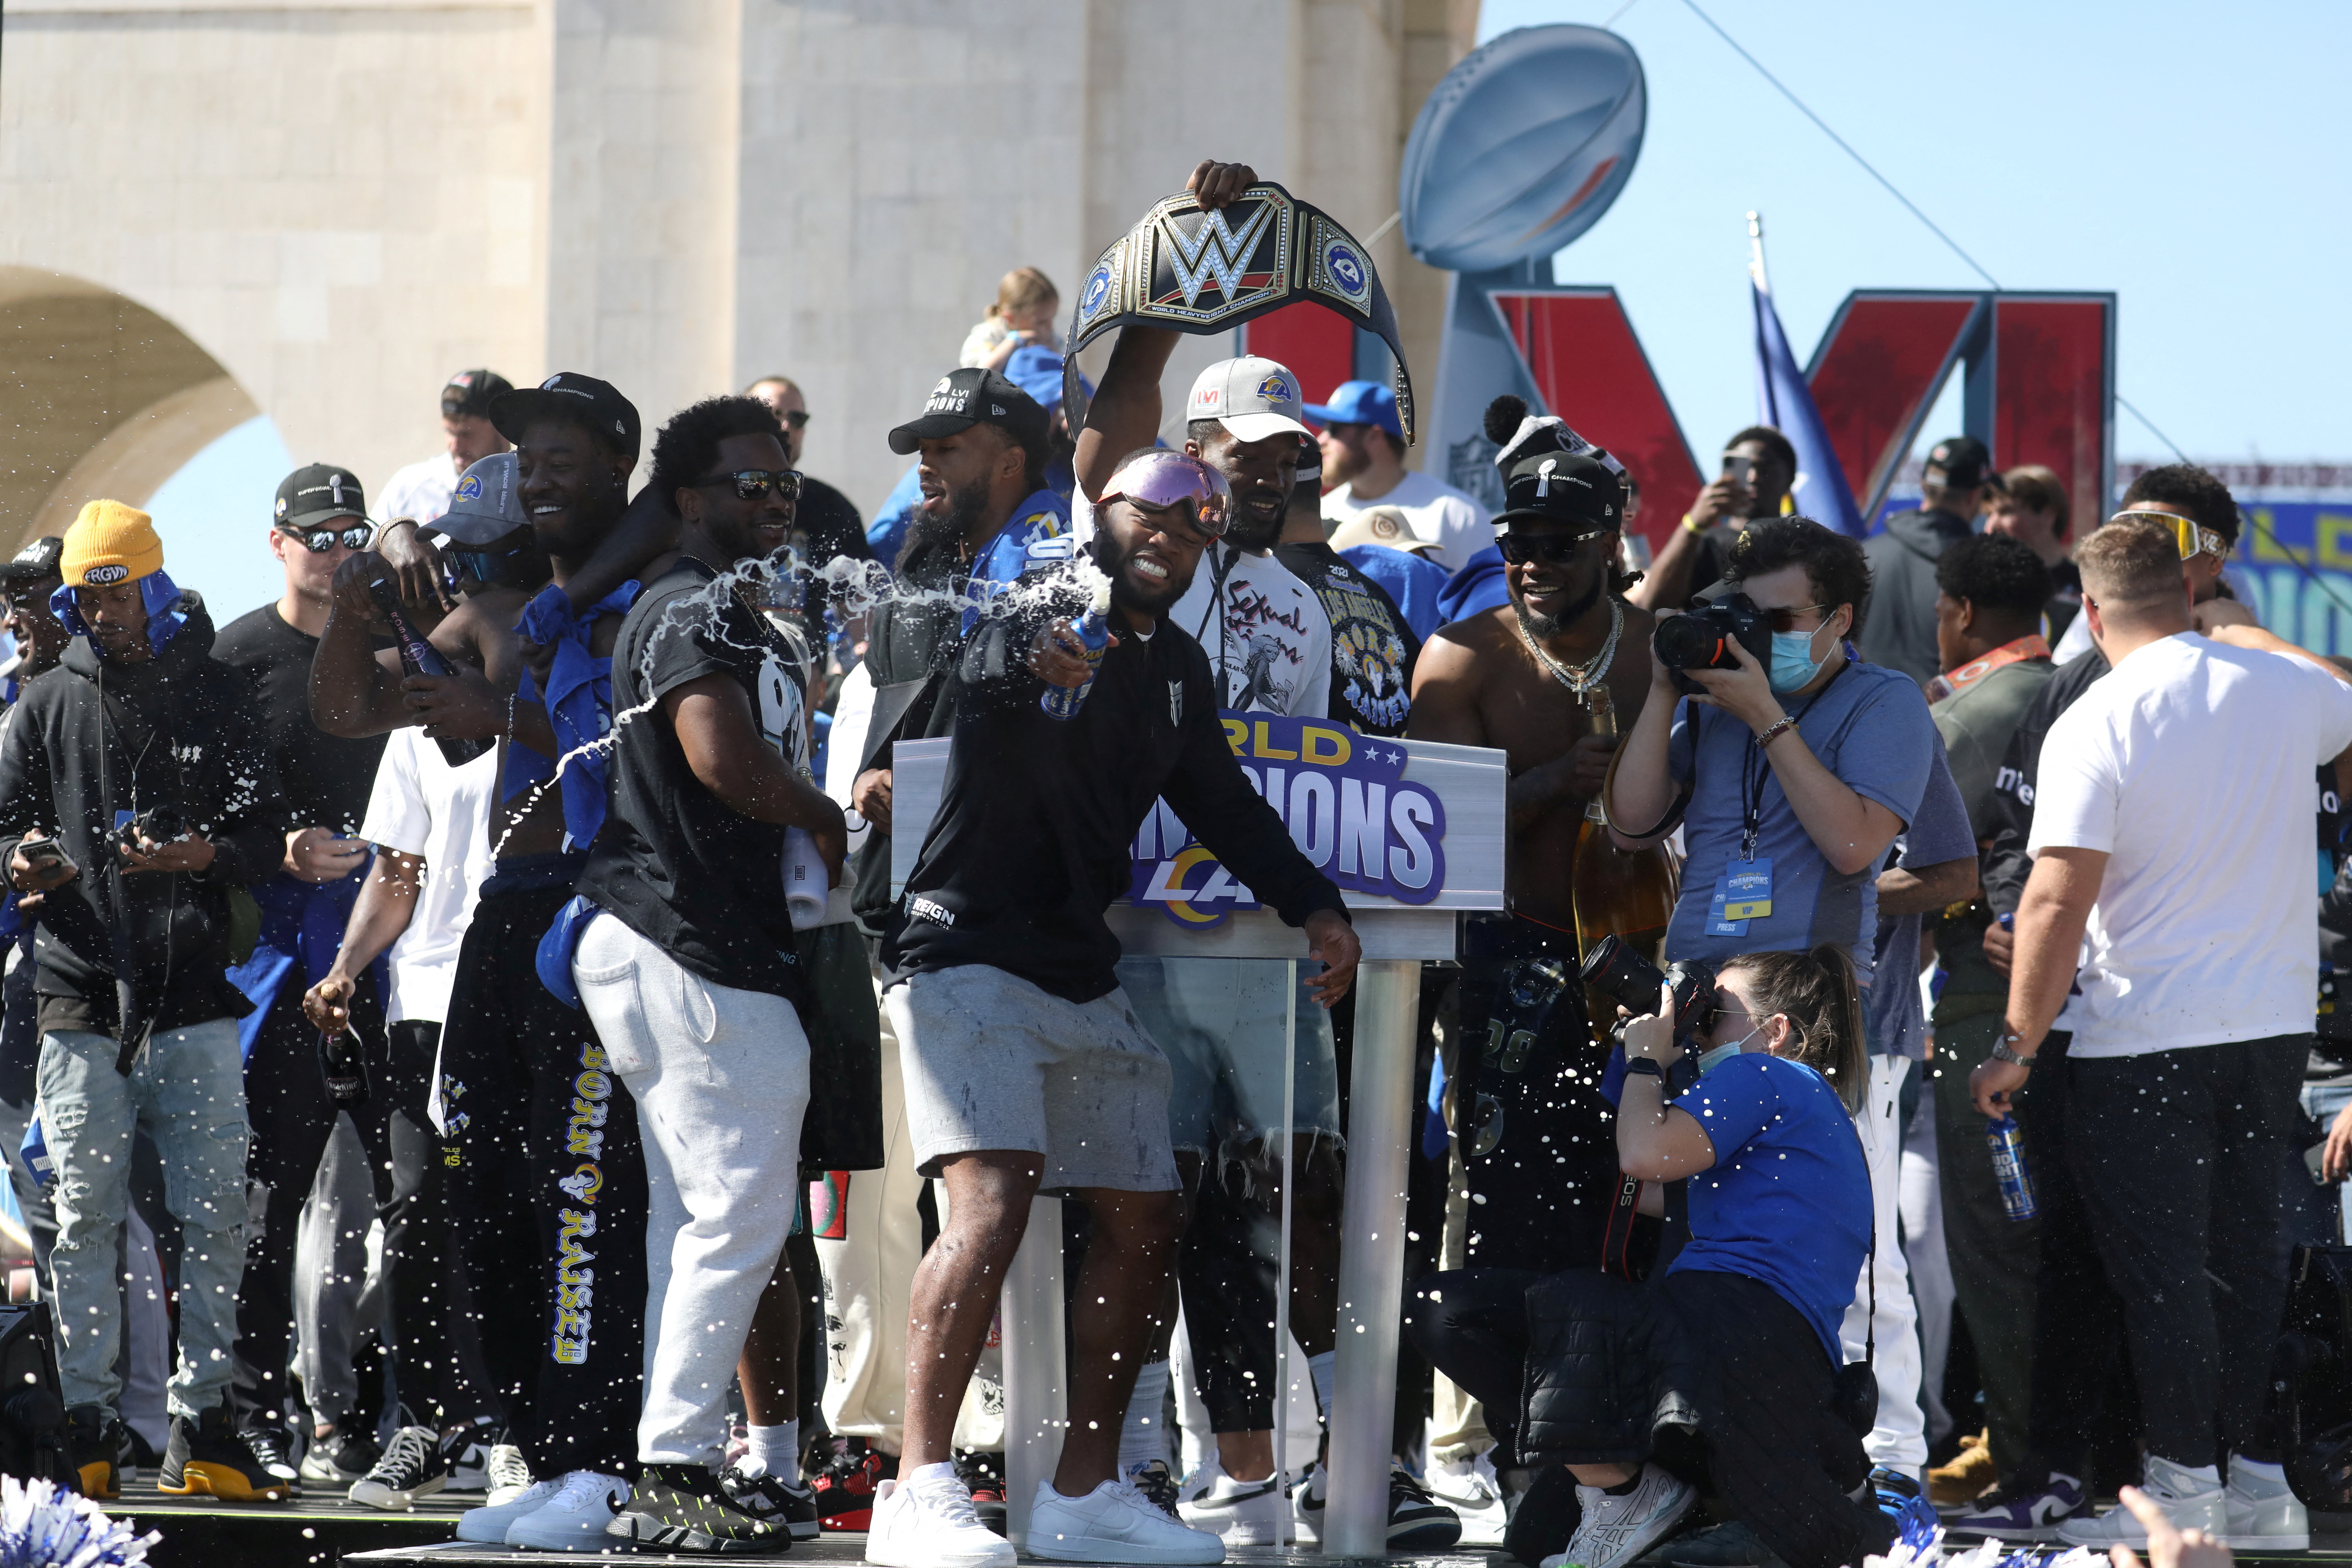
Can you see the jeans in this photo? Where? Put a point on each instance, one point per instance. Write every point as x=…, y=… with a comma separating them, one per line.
x=2177, y=1154
x=187, y=1091
x=720, y=1078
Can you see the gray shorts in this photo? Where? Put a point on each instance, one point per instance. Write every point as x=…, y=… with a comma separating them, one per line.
x=1222, y=1022
x=991, y=1061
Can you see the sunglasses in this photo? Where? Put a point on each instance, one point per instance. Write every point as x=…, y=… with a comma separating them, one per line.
x=321, y=539
x=1785, y=620
x=1556, y=549
x=751, y=484
x=2194, y=539
x=1161, y=479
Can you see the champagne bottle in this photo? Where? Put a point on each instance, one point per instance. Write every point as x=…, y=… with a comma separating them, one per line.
x=418, y=657
x=1626, y=893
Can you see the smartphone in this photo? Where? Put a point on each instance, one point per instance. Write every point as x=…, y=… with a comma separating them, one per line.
x=45, y=855
x=1739, y=469
x=2315, y=1160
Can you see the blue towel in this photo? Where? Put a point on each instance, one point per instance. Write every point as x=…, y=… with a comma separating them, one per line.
x=555, y=949
x=579, y=707
x=302, y=922
x=157, y=592
x=1414, y=581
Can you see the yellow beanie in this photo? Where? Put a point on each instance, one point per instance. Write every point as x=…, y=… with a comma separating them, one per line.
x=109, y=542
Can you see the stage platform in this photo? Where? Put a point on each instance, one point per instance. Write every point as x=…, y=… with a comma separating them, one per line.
x=320, y=1529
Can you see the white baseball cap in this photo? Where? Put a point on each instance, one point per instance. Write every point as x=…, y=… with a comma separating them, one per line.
x=1252, y=397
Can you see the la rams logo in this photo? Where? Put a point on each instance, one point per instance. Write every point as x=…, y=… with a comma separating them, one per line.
x=470, y=487
x=99, y=576
x=1347, y=269
x=1097, y=289
x=1277, y=388
x=281, y=506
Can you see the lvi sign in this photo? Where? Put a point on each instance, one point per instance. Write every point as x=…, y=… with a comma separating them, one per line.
x=1348, y=807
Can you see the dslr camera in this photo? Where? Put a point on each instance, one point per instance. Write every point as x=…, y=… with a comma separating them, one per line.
x=1702, y=639
x=1616, y=971
x=157, y=824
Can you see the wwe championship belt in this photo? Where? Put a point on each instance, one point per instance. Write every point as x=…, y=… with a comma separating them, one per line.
x=1203, y=273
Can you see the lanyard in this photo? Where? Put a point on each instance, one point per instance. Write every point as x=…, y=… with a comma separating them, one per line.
x=1755, y=769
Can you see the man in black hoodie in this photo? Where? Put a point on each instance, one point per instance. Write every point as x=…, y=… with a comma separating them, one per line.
x=1898, y=620
x=137, y=796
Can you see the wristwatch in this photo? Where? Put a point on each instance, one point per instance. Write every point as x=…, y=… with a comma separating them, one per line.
x=1646, y=1067
x=2000, y=1051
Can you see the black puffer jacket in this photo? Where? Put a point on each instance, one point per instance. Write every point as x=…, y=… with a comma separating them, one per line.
x=94, y=738
x=1603, y=1372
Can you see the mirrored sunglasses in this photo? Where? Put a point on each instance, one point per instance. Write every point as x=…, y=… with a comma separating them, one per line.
x=1164, y=479
x=321, y=539
x=751, y=484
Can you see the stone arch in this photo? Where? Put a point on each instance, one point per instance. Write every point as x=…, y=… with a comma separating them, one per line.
x=99, y=397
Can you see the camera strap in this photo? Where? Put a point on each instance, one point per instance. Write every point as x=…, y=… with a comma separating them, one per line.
x=1756, y=769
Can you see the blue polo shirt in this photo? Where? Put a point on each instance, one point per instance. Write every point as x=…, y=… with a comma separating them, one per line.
x=1896, y=1013
x=1870, y=727
x=1787, y=1198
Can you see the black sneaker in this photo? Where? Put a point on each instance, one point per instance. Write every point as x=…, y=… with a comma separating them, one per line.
x=982, y=1476
x=685, y=1509
x=413, y=1465
x=1159, y=1485
x=1417, y=1520
x=340, y=1459
x=771, y=1497
x=95, y=1441
x=209, y=1457
x=272, y=1447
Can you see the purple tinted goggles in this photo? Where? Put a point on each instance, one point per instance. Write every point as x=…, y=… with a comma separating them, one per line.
x=1161, y=479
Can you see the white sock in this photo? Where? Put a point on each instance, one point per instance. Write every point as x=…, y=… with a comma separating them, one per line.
x=1319, y=1367
x=942, y=1471
x=1141, y=1437
x=774, y=1451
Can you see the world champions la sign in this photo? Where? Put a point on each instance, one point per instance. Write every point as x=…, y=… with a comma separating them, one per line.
x=1343, y=796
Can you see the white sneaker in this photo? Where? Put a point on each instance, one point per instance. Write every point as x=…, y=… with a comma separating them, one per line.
x=930, y=1524
x=487, y=1525
x=2262, y=1515
x=1308, y=1506
x=1113, y=1523
x=1471, y=1488
x=510, y=1474
x=1617, y=1530
x=468, y=1454
x=2189, y=1500
x=1240, y=1513
x=573, y=1520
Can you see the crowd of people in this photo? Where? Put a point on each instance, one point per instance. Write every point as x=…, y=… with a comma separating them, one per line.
x=473, y=988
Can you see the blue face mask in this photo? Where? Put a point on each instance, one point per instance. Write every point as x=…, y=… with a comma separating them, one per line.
x=1793, y=663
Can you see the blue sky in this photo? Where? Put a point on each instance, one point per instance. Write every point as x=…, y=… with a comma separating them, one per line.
x=213, y=516
x=2187, y=158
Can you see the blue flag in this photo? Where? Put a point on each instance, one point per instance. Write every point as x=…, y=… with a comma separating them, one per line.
x=1784, y=402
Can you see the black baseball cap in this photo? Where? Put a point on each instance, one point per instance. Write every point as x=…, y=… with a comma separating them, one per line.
x=571, y=396
x=36, y=561
x=1967, y=463
x=971, y=396
x=1581, y=487
x=470, y=393
x=316, y=495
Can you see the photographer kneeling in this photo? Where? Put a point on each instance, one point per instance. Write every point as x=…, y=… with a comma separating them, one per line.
x=1797, y=765
x=1737, y=1337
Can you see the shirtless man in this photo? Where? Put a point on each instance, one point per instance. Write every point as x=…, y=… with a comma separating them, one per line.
x=533, y=1174
x=1520, y=677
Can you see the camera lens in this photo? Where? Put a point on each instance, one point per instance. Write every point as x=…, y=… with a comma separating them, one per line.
x=1617, y=971
x=1688, y=642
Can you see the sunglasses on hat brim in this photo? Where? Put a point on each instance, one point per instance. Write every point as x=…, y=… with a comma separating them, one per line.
x=323, y=539
x=1161, y=479
x=2194, y=538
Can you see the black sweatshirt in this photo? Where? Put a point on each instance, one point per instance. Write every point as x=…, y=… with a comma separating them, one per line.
x=93, y=738
x=1035, y=829
x=2005, y=865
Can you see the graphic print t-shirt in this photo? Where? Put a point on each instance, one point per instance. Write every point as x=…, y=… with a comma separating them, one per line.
x=1372, y=647
x=1266, y=636
x=674, y=863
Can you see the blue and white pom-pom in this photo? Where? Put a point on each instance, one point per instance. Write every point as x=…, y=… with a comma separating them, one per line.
x=44, y=1526
x=1919, y=1543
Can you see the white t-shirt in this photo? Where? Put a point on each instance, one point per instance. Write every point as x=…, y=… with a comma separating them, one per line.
x=1440, y=515
x=1269, y=646
x=422, y=805
x=420, y=490
x=2189, y=765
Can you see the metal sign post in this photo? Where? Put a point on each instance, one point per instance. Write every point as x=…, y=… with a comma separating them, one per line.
x=1413, y=832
